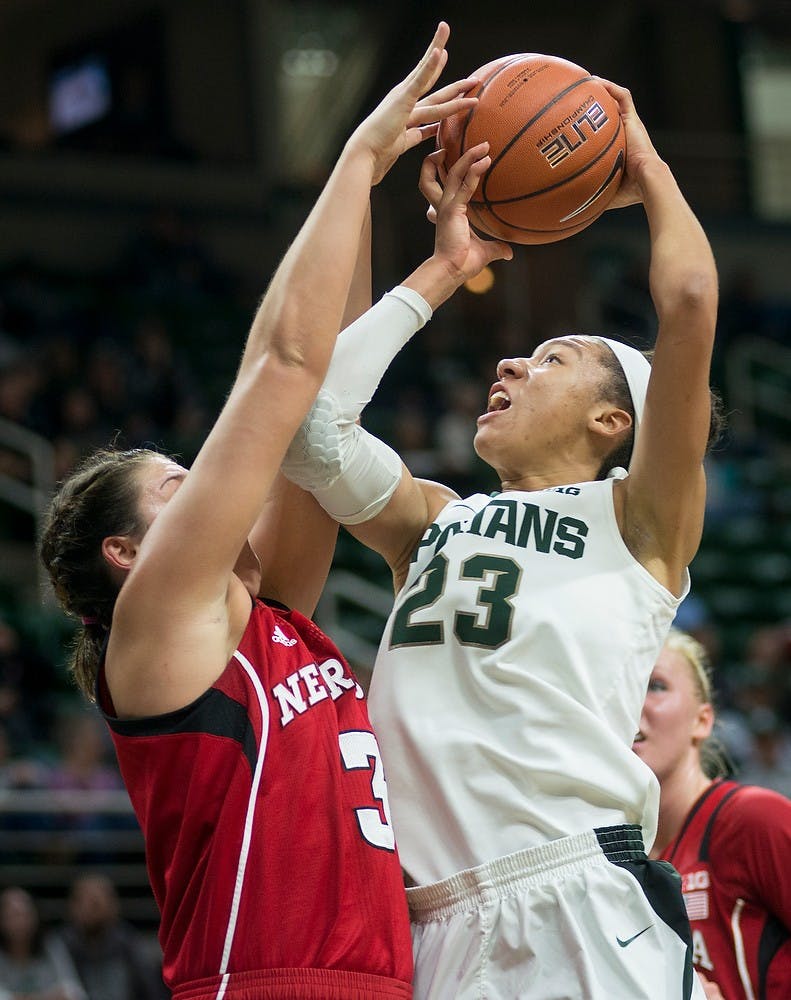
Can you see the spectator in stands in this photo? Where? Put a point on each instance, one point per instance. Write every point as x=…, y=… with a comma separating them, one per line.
x=108, y=381
x=62, y=364
x=26, y=677
x=110, y=957
x=86, y=765
x=769, y=651
x=167, y=261
x=730, y=842
x=22, y=827
x=768, y=762
x=165, y=397
x=19, y=384
x=33, y=966
x=17, y=771
x=79, y=420
x=456, y=462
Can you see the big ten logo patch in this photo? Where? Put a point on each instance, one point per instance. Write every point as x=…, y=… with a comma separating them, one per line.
x=575, y=129
x=695, y=886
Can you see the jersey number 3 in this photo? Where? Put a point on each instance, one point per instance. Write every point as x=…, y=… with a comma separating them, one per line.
x=360, y=752
x=489, y=627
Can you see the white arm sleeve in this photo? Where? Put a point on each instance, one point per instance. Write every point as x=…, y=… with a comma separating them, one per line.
x=351, y=473
x=364, y=350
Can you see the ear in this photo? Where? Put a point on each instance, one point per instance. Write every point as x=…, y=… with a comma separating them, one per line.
x=703, y=723
x=609, y=421
x=119, y=551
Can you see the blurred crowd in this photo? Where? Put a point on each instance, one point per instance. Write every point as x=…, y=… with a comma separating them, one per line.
x=85, y=361
x=92, y=954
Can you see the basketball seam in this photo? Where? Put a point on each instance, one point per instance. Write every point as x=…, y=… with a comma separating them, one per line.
x=477, y=206
x=484, y=206
x=514, y=139
x=534, y=194
x=557, y=233
x=617, y=168
x=484, y=86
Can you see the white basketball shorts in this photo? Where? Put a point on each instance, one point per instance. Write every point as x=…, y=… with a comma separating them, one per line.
x=587, y=917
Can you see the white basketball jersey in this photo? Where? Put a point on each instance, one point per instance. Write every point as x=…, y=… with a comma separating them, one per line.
x=511, y=676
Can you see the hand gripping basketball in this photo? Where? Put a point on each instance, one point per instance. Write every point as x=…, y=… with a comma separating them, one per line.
x=556, y=142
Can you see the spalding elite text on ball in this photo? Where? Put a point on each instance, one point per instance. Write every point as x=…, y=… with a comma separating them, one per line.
x=557, y=145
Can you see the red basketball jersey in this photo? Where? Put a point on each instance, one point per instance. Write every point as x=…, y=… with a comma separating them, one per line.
x=733, y=856
x=268, y=838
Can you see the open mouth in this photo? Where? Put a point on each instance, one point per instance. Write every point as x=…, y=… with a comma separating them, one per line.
x=638, y=738
x=498, y=401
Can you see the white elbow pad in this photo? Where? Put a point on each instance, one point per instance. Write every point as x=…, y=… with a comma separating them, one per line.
x=351, y=473
x=313, y=458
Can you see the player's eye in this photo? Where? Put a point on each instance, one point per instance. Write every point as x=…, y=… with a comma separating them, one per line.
x=657, y=685
x=551, y=357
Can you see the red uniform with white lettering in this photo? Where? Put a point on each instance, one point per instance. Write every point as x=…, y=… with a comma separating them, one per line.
x=268, y=838
x=733, y=855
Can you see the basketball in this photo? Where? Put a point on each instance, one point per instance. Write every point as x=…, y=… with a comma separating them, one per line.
x=556, y=142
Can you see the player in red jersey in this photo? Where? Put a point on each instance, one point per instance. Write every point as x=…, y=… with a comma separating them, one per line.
x=729, y=842
x=241, y=733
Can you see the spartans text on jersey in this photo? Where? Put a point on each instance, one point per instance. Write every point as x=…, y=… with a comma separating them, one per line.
x=517, y=523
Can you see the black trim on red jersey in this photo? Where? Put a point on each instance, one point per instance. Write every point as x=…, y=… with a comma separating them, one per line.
x=704, y=840
x=773, y=937
x=692, y=814
x=213, y=713
x=272, y=603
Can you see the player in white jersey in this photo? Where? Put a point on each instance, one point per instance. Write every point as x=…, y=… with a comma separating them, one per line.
x=511, y=673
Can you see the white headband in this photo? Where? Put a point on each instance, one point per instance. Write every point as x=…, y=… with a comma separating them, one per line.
x=637, y=371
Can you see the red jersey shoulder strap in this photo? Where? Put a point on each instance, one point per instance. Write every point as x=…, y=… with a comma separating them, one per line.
x=701, y=817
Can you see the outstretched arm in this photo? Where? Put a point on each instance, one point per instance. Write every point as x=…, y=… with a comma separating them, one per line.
x=177, y=617
x=357, y=478
x=664, y=495
x=292, y=521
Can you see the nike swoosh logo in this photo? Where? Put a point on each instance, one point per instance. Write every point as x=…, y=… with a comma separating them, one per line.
x=623, y=944
x=616, y=169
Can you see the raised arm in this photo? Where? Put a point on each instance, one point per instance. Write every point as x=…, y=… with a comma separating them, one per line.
x=178, y=609
x=292, y=521
x=664, y=495
x=355, y=477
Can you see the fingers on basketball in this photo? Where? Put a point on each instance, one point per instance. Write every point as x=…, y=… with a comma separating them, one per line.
x=557, y=146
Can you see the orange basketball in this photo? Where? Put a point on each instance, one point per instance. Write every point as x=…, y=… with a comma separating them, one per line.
x=557, y=145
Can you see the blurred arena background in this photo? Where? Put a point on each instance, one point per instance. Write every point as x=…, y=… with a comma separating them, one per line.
x=156, y=156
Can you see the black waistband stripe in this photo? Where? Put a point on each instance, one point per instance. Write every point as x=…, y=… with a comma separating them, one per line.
x=621, y=843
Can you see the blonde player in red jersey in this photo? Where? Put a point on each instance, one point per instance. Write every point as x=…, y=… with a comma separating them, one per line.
x=241, y=733
x=730, y=842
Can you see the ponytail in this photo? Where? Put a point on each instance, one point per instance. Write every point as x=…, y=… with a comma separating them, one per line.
x=99, y=499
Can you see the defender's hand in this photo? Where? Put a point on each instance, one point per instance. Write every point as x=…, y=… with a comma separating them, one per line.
x=405, y=117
